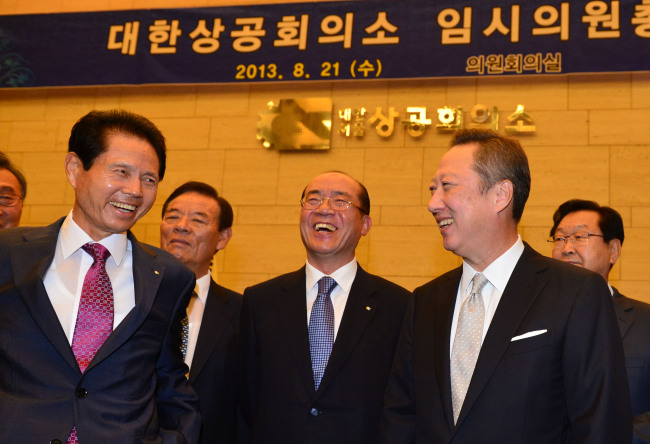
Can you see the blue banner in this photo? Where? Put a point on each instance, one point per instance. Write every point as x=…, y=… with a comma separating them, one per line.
x=357, y=40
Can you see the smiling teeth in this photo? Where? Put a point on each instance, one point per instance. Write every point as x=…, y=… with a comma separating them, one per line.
x=124, y=206
x=322, y=226
x=443, y=223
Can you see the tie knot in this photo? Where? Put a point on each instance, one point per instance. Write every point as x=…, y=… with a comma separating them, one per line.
x=478, y=282
x=325, y=285
x=97, y=251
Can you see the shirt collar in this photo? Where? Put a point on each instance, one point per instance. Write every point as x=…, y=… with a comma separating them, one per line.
x=344, y=276
x=202, y=287
x=499, y=271
x=73, y=237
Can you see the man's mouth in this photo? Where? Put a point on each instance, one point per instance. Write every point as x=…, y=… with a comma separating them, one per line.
x=445, y=222
x=324, y=227
x=124, y=206
x=179, y=241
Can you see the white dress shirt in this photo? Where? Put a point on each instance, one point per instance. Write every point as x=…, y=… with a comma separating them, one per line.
x=344, y=277
x=498, y=274
x=195, y=315
x=64, y=279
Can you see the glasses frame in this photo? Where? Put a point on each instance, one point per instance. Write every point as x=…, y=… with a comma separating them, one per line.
x=561, y=242
x=14, y=202
x=303, y=201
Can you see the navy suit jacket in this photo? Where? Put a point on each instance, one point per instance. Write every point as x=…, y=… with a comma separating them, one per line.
x=634, y=324
x=565, y=385
x=133, y=391
x=280, y=403
x=214, y=365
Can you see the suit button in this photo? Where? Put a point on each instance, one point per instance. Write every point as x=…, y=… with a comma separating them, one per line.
x=314, y=412
x=55, y=441
x=82, y=393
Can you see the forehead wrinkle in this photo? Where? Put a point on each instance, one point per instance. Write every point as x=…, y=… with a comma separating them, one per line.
x=574, y=227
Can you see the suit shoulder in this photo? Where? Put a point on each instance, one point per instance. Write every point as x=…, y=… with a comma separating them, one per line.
x=171, y=264
x=433, y=284
x=12, y=236
x=274, y=284
x=641, y=309
x=389, y=287
x=228, y=293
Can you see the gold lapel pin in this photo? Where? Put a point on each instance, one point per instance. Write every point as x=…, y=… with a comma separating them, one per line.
x=156, y=271
x=368, y=307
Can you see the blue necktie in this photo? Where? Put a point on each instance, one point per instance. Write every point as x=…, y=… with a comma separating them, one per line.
x=321, y=328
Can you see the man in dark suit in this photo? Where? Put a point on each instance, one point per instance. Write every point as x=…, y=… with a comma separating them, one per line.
x=317, y=343
x=591, y=236
x=90, y=318
x=196, y=223
x=511, y=347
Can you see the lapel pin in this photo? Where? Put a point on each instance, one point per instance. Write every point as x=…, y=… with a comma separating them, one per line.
x=156, y=271
x=368, y=307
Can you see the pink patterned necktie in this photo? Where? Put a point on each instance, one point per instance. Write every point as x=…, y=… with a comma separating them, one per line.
x=95, y=314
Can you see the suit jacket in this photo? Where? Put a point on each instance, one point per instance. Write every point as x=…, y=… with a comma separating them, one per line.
x=565, y=384
x=634, y=324
x=133, y=391
x=214, y=365
x=280, y=404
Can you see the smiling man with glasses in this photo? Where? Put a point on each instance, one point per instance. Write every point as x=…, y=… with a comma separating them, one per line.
x=317, y=343
x=13, y=189
x=591, y=236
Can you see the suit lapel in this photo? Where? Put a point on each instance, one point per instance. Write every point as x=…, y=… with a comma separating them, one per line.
x=624, y=313
x=216, y=316
x=360, y=308
x=522, y=289
x=29, y=263
x=147, y=275
x=291, y=308
x=443, y=312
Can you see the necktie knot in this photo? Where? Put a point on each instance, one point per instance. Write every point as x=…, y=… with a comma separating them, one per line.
x=325, y=286
x=97, y=251
x=478, y=282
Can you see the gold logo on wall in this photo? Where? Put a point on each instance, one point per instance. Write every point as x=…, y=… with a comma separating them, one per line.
x=296, y=124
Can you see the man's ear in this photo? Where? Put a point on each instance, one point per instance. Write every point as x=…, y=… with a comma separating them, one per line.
x=614, y=251
x=225, y=234
x=366, y=224
x=504, y=194
x=73, y=165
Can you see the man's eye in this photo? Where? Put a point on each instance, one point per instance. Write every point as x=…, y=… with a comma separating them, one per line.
x=313, y=201
x=340, y=202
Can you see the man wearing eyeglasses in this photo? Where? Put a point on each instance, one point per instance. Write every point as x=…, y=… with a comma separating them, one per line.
x=317, y=344
x=13, y=189
x=591, y=236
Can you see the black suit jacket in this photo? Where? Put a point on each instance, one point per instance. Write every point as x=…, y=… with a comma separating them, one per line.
x=133, y=391
x=634, y=324
x=566, y=385
x=280, y=403
x=214, y=365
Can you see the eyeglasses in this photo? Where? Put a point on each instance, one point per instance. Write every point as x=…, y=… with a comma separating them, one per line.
x=9, y=199
x=336, y=203
x=580, y=238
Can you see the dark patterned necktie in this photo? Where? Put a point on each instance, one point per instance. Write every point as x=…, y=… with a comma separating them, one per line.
x=185, y=324
x=95, y=315
x=321, y=328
